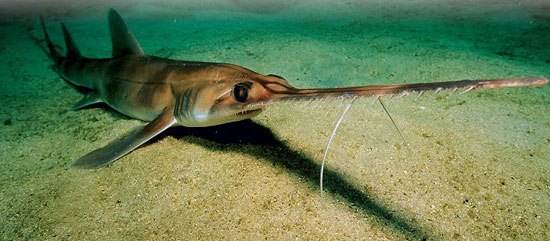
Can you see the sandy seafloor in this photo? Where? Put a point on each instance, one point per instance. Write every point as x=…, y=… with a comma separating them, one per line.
x=477, y=165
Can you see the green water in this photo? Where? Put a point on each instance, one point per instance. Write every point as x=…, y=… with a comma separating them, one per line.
x=476, y=167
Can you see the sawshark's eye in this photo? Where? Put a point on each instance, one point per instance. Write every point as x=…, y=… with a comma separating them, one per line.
x=240, y=91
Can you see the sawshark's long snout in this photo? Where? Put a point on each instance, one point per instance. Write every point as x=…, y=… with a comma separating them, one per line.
x=405, y=89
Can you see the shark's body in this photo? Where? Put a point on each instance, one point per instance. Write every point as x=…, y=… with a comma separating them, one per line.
x=142, y=87
x=167, y=92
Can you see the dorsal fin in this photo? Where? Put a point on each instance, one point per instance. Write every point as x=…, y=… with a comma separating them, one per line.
x=72, y=50
x=124, y=42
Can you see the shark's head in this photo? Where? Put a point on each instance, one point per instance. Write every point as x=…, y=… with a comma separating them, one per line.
x=227, y=98
x=223, y=93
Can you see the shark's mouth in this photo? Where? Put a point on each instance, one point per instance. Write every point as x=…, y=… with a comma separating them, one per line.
x=248, y=112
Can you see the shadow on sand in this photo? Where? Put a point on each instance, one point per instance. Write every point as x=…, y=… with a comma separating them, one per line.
x=266, y=146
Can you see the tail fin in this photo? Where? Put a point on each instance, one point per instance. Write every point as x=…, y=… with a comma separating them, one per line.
x=72, y=50
x=54, y=55
x=53, y=52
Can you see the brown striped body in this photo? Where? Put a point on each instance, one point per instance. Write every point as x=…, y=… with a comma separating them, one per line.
x=142, y=86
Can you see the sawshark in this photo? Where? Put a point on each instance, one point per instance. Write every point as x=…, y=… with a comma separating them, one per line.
x=166, y=92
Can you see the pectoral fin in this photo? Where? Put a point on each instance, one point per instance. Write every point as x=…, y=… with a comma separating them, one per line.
x=122, y=146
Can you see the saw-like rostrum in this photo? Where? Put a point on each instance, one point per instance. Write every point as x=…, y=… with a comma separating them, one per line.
x=166, y=92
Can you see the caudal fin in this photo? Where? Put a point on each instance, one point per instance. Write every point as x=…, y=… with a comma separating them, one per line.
x=54, y=55
x=53, y=52
x=72, y=50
